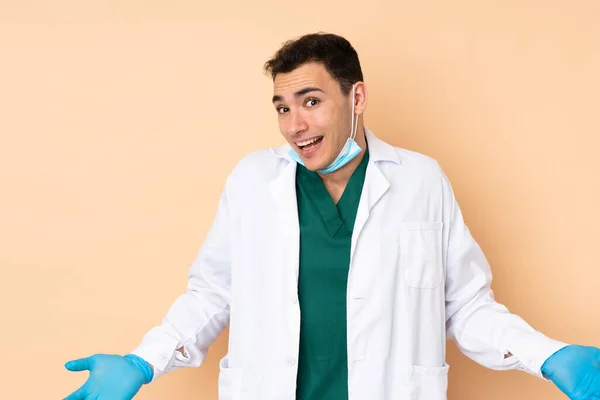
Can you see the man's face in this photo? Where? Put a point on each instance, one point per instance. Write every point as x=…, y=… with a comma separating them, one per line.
x=314, y=115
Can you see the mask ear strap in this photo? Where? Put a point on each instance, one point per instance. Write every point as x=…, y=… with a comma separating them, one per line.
x=353, y=125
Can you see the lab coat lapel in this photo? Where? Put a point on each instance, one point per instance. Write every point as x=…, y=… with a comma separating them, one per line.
x=375, y=185
x=287, y=237
x=373, y=189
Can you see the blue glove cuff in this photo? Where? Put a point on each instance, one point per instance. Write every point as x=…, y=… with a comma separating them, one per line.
x=142, y=365
x=549, y=360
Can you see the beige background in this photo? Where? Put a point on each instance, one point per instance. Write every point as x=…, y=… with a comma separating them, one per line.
x=119, y=122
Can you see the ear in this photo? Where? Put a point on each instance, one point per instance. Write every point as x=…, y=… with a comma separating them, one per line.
x=360, y=97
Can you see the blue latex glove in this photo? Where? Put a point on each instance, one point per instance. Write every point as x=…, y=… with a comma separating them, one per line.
x=112, y=377
x=576, y=371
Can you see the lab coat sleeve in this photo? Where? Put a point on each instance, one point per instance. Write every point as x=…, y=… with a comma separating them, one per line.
x=198, y=316
x=483, y=329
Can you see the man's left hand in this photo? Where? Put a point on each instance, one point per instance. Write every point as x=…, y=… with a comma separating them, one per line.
x=575, y=370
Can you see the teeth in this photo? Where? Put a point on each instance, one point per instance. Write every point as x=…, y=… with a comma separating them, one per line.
x=307, y=142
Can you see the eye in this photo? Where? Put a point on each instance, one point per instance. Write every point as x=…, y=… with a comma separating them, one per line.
x=282, y=110
x=312, y=102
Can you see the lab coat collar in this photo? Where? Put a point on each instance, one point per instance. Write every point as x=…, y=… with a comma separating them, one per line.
x=378, y=149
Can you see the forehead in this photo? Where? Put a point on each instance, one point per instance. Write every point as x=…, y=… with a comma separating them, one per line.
x=307, y=75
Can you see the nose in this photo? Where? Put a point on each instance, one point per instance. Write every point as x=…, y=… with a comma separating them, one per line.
x=296, y=123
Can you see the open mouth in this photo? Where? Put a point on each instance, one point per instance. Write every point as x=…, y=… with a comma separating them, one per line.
x=310, y=144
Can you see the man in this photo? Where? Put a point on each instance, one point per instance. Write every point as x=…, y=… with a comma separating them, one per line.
x=341, y=264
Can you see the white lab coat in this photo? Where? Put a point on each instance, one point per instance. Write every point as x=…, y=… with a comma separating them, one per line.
x=417, y=277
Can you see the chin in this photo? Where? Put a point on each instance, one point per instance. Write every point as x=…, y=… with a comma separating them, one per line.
x=315, y=166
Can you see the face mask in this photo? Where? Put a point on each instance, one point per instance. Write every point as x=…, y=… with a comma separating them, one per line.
x=350, y=150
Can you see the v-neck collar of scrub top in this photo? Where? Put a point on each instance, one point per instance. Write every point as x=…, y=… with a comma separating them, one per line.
x=335, y=215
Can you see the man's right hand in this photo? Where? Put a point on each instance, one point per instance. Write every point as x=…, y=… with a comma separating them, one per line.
x=112, y=377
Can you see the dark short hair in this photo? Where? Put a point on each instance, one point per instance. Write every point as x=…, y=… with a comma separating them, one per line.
x=335, y=53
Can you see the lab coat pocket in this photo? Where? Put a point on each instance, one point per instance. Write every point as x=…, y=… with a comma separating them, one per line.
x=230, y=381
x=429, y=383
x=421, y=253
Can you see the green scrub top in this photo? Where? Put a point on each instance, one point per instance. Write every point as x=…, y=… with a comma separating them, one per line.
x=325, y=241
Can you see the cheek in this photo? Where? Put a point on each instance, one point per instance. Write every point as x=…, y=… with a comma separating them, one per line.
x=320, y=121
x=283, y=125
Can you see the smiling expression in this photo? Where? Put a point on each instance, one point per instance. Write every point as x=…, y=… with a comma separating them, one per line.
x=314, y=115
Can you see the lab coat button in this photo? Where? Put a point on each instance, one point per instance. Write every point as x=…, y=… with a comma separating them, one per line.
x=291, y=361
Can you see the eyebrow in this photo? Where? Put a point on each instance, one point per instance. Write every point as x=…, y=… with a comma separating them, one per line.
x=299, y=93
